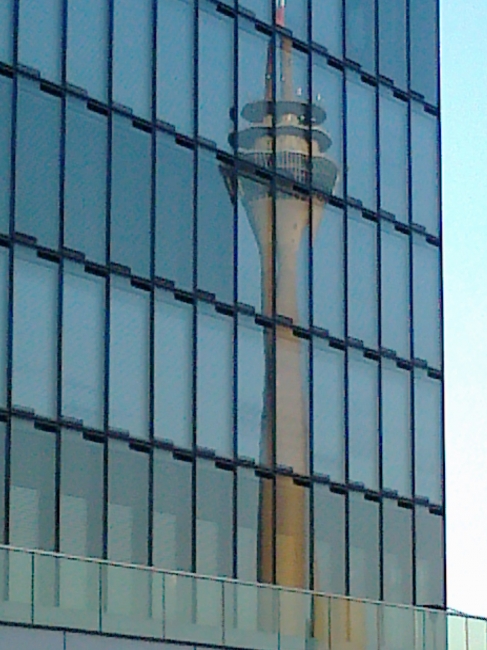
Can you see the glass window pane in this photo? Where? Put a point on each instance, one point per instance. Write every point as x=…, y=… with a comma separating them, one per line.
x=250, y=391
x=172, y=512
x=364, y=547
x=215, y=230
x=32, y=487
x=428, y=436
x=131, y=199
x=252, y=69
x=87, y=49
x=328, y=411
x=132, y=49
x=292, y=401
x=40, y=35
x=85, y=180
x=361, y=141
x=4, y=314
x=396, y=430
x=398, y=553
x=2, y=479
x=261, y=8
x=392, y=41
x=173, y=345
x=6, y=30
x=292, y=533
x=327, y=25
x=248, y=524
x=328, y=94
x=328, y=273
x=430, y=578
x=362, y=279
x=393, y=115
x=329, y=543
x=5, y=144
x=215, y=67
x=174, y=212
x=37, y=177
x=215, y=373
x=128, y=504
x=214, y=550
x=81, y=525
x=424, y=43
x=426, y=302
x=129, y=358
x=360, y=33
x=83, y=345
x=296, y=18
x=362, y=420
x=175, y=63
x=252, y=256
x=35, y=333
x=395, y=317
x=425, y=169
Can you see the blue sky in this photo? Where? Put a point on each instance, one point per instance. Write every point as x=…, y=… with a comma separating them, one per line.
x=464, y=120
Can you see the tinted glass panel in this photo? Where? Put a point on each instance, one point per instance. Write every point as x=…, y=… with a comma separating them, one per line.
x=329, y=542
x=398, y=553
x=426, y=306
x=81, y=496
x=37, y=177
x=35, y=333
x=249, y=490
x=296, y=18
x=215, y=66
x=364, y=547
x=393, y=155
x=131, y=182
x=328, y=273
x=362, y=419
x=261, y=8
x=253, y=57
x=424, y=56
x=395, y=290
x=215, y=230
x=2, y=477
x=4, y=312
x=174, y=212
x=173, y=344
x=360, y=32
x=428, y=436
x=429, y=559
x=83, y=345
x=327, y=25
x=6, y=31
x=88, y=46
x=291, y=385
x=396, y=431
x=85, y=180
x=215, y=372
x=32, y=487
x=328, y=411
x=292, y=533
x=392, y=41
x=175, y=63
x=361, y=141
x=129, y=358
x=328, y=94
x=128, y=504
x=214, y=551
x=250, y=388
x=44, y=53
x=172, y=512
x=132, y=47
x=425, y=169
x=5, y=144
x=362, y=279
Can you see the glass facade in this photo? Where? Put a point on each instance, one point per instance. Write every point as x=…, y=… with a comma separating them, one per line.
x=221, y=316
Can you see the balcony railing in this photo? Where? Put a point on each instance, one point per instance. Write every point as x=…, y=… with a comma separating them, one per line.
x=54, y=590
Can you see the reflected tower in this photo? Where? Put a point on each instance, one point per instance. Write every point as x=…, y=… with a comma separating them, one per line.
x=284, y=136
